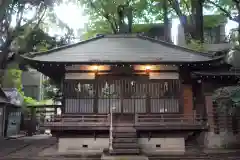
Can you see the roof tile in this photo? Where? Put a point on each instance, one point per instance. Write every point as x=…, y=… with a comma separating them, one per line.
x=122, y=48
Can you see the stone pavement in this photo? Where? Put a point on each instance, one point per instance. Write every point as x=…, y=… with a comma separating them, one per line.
x=43, y=147
x=25, y=147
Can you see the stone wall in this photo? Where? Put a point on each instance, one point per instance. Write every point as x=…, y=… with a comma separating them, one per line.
x=222, y=140
x=225, y=138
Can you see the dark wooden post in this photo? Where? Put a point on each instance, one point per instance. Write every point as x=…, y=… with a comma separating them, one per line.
x=55, y=109
x=95, y=103
x=32, y=126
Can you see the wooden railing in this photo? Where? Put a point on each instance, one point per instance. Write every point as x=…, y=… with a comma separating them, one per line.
x=166, y=119
x=140, y=120
x=78, y=120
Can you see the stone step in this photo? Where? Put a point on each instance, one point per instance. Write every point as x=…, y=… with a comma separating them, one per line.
x=125, y=145
x=124, y=129
x=125, y=135
x=125, y=140
x=123, y=157
x=132, y=151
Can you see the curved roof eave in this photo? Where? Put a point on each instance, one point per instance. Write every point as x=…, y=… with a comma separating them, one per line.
x=217, y=58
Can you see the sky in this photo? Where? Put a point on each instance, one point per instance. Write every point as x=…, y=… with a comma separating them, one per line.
x=73, y=15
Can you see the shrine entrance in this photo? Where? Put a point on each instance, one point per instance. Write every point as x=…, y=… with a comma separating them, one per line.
x=126, y=96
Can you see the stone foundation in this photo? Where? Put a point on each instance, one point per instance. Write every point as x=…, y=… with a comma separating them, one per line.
x=82, y=145
x=106, y=157
x=221, y=140
x=91, y=145
x=162, y=145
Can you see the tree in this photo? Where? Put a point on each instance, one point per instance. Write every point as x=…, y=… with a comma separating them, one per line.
x=104, y=19
x=15, y=25
x=230, y=8
x=104, y=16
x=8, y=32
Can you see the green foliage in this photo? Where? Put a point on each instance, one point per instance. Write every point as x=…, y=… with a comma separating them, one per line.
x=196, y=45
x=211, y=21
x=139, y=28
x=228, y=99
x=29, y=101
x=12, y=78
x=136, y=28
x=51, y=90
x=104, y=19
x=214, y=20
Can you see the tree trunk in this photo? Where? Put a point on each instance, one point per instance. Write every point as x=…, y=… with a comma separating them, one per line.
x=166, y=21
x=238, y=34
x=4, y=58
x=3, y=65
x=199, y=21
x=188, y=29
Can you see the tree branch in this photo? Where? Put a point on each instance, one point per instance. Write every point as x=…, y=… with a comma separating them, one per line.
x=19, y=15
x=188, y=10
x=4, y=4
x=223, y=10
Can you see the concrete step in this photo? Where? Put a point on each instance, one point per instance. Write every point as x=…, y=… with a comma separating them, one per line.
x=132, y=151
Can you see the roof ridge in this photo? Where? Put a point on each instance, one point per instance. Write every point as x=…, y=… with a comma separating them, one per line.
x=175, y=46
x=31, y=55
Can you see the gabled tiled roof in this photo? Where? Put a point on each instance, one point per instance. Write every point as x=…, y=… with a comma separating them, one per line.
x=13, y=96
x=3, y=97
x=121, y=48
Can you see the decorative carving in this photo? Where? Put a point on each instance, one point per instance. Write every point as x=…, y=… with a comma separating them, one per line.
x=78, y=88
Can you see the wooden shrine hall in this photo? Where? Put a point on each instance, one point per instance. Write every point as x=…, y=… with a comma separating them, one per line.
x=131, y=94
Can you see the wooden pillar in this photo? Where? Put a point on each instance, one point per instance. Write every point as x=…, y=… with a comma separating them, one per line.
x=95, y=102
x=148, y=99
x=63, y=96
x=32, y=126
x=188, y=101
x=199, y=99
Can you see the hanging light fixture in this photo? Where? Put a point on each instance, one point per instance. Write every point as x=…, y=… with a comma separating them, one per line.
x=148, y=68
x=95, y=68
